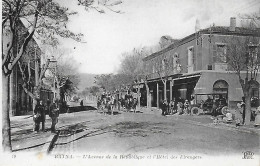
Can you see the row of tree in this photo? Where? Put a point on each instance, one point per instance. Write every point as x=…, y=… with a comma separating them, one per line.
x=130, y=71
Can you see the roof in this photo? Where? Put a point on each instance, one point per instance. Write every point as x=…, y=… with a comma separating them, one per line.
x=239, y=31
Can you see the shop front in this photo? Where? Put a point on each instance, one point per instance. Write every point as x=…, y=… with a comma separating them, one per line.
x=200, y=85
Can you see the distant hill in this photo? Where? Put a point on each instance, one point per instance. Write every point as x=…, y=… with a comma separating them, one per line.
x=86, y=80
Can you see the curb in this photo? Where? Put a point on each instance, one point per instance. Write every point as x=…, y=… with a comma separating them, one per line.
x=223, y=126
x=49, y=143
x=242, y=128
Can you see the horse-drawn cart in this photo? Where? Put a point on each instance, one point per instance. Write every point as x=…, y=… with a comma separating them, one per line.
x=214, y=104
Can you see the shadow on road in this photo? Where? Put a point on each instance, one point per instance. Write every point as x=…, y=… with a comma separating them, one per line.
x=80, y=108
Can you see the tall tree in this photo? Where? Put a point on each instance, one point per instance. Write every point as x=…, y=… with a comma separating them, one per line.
x=45, y=17
x=133, y=66
x=131, y=63
x=243, y=57
x=42, y=16
x=163, y=69
x=67, y=76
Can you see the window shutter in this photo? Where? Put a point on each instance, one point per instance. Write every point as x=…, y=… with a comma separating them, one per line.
x=187, y=59
x=193, y=58
x=214, y=54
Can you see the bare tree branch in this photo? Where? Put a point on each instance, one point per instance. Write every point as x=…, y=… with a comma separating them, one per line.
x=27, y=39
x=44, y=69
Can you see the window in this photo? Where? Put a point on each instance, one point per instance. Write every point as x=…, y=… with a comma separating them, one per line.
x=255, y=89
x=153, y=67
x=221, y=53
x=190, y=56
x=253, y=56
x=191, y=59
x=175, y=63
x=163, y=64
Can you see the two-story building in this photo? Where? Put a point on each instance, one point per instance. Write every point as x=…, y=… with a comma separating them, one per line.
x=197, y=66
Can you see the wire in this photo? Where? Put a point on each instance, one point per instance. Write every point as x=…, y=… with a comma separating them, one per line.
x=246, y=3
x=248, y=6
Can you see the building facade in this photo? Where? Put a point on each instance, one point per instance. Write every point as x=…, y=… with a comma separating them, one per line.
x=197, y=66
x=20, y=102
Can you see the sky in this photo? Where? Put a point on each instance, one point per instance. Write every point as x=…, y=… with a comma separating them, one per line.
x=142, y=23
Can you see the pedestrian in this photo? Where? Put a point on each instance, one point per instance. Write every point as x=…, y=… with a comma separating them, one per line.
x=243, y=107
x=48, y=105
x=171, y=106
x=112, y=104
x=186, y=107
x=257, y=118
x=53, y=114
x=81, y=103
x=39, y=116
x=214, y=108
x=164, y=107
x=180, y=108
x=134, y=104
x=119, y=104
x=192, y=100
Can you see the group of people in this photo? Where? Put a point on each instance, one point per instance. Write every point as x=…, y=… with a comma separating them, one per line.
x=40, y=112
x=108, y=101
x=129, y=102
x=111, y=102
x=179, y=107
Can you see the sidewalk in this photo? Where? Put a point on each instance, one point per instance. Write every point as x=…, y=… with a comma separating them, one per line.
x=205, y=120
x=24, y=138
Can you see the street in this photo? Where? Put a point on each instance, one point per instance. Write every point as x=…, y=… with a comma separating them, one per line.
x=128, y=133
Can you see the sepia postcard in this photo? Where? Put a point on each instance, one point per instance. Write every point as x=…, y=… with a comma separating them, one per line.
x=130, y=82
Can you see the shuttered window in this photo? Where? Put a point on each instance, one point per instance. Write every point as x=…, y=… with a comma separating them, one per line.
x=214, y=53
x=219, y=53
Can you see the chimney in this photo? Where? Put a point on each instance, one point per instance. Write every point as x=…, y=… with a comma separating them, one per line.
x=232, y=24
x=197, y=25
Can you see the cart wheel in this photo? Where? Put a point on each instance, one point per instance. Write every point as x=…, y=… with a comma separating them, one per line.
x=195, y=111
x=224, y=110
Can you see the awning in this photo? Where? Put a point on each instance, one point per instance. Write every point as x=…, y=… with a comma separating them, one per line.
x=187, y=77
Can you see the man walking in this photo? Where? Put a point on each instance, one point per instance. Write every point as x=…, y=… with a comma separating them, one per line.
x=54, y=114
x=164, y=107
x=39, y=116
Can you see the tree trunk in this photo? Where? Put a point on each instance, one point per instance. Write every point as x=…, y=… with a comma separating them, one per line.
x=147, y=95
x=248, y=108
x=138, y=93
x=165, y=91
x=6, y=129
x=157, y=95
x=37, y=94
